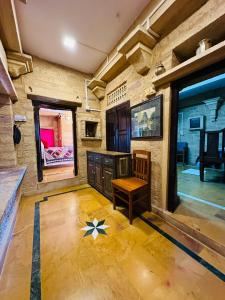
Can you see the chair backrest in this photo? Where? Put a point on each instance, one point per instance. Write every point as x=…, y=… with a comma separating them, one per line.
x=212, y=139
x=142, y=164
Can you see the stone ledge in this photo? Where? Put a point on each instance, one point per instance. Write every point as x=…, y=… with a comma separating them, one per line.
x=10, y=194
x=138, y=35
x=6, y=84
x=88, y=138
x=200, y=61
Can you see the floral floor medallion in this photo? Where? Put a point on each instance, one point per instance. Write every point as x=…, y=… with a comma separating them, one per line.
x=95, y=228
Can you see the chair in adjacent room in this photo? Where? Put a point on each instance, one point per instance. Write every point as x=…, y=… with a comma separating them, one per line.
x=182, y=149
x=137, y=188
x=212, y=144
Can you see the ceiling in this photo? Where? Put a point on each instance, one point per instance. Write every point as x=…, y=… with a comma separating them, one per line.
x=97, y=26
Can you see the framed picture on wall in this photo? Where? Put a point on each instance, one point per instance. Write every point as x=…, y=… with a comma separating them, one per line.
x=147, y=119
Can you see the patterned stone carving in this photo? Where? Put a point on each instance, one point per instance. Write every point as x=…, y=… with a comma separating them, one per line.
x=118, y=94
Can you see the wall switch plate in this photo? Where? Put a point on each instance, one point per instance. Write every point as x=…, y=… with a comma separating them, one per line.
x=20, y=118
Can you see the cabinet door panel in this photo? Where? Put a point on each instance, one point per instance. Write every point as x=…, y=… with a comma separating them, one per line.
x=98, y=176
x=91, y=173
x=107, y=186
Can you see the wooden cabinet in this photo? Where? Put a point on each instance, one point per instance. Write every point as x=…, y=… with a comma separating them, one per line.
x=103, y=166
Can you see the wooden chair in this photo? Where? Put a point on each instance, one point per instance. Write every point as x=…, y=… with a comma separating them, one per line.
x=213, y=154
x=137, y=188
x=182, y=149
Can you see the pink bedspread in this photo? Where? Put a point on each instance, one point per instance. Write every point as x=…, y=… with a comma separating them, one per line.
x=58, y=155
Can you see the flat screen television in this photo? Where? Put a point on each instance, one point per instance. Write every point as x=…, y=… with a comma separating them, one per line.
x=196, y=123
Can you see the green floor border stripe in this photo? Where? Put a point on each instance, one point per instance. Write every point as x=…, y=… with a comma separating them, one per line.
x=188, y=251
x=35, y=286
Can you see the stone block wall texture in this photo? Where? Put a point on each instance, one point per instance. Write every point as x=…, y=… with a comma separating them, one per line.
x=138, y=86
x=7, y=148
x=193, y=137
x=59, y=82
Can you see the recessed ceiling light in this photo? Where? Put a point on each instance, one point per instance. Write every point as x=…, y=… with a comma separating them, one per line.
x=69, y=42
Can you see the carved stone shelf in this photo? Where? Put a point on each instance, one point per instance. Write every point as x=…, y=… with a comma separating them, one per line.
x=115, y=67
x=171, y=14
x=215, y=31
x=138, y=35
x=140, y=57
x=98, y=88
x=19, y=64
x=210, y=56
x=6, y=84
x=96, y=82
x=87, y=138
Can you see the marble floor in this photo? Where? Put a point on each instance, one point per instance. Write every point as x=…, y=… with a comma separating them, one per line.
x=205, y=218
x=212, y=190
x=58, y=173
x=55, y=253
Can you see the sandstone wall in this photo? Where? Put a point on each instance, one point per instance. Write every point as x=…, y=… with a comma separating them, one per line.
x=138, y=86
x=7, y=148
x=59, y=82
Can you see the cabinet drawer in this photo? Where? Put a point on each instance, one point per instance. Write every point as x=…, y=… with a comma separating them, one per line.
x=98, y=159
x=107, y=161
x=90, y=156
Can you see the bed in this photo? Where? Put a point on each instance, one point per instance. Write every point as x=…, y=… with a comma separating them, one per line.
x=54, y=156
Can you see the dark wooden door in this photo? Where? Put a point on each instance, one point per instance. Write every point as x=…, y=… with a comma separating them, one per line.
x=38, y=142
x=98, y=176
x=123, y=127
x=118, y=128
x=111, y=130
x=107, y=185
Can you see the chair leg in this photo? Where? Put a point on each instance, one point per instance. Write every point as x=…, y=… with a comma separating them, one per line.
x=201, y=171
x=114, y=199
x=130, y=209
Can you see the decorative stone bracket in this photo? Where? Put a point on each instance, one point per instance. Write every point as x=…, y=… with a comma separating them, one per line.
x=213, y=105
x=140, y=56
x=19, y=64
x=97, y=87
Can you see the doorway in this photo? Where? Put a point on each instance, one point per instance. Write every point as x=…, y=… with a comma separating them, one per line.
x=57, y=151
x=197, y=152
x=118, y=128
x=55, y=134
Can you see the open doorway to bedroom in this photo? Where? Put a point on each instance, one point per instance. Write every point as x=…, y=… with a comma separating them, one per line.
x=56, y=135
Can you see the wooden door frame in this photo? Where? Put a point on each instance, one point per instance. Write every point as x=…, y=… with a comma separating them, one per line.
x=176, y=86
x=37, y=104
x=114, y=108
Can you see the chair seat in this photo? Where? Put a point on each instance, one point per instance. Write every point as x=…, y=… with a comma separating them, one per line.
x=130, y=184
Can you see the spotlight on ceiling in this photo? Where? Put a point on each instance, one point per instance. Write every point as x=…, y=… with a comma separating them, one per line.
x=69, y=42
